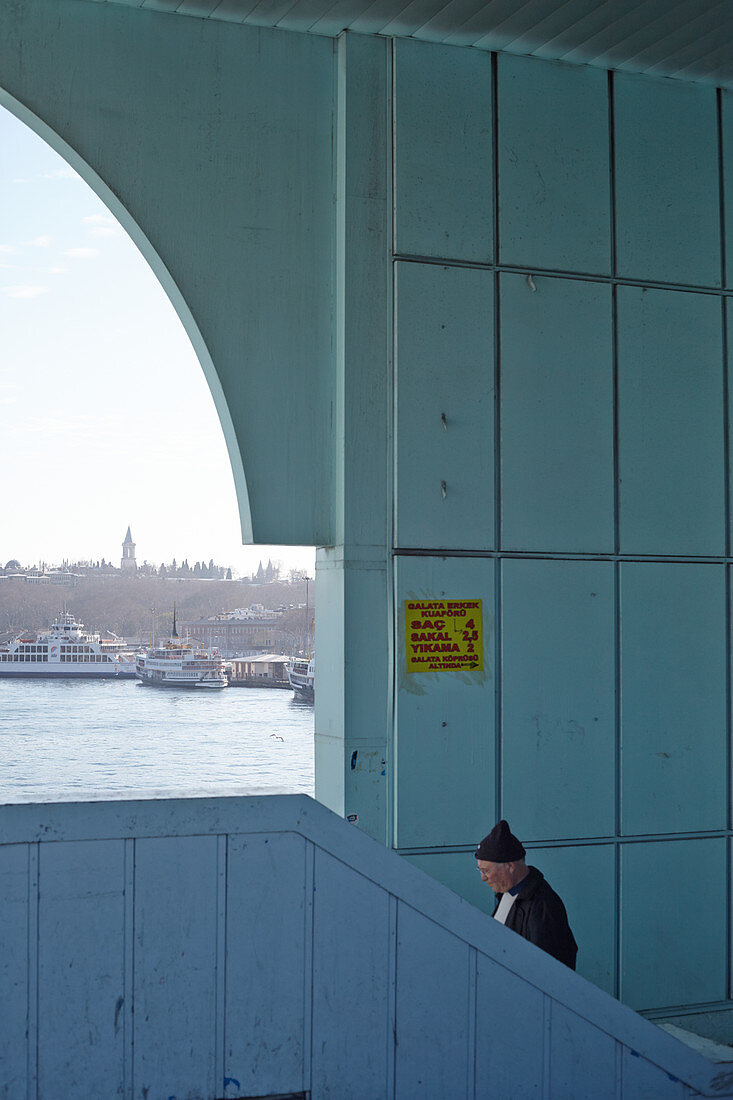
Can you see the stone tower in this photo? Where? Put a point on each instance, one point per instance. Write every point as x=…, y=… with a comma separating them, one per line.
x=128, y=563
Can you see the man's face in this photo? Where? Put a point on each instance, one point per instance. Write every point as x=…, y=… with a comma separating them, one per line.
x=499, y=876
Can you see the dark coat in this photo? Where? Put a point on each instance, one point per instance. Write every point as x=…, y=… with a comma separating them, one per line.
x=539, y=915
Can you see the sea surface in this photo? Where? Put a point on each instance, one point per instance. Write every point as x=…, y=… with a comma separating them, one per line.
x=63, y=740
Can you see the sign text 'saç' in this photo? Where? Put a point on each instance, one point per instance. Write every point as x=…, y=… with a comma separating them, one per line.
x=444, y=635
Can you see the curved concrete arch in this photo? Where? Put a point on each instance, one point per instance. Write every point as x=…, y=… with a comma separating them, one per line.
x=166, y=280
x=213, y=146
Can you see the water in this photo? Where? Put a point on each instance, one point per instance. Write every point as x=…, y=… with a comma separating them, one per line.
x=62, y=740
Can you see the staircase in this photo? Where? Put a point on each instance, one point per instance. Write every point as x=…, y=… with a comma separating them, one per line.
x=260, y=946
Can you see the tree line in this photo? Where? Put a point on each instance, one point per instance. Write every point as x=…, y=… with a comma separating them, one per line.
x=126, y=605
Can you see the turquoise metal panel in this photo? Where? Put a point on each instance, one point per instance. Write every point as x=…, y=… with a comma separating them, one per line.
x=175, y=966
x=264, y=967
x=584, y=875
x=80, y=967
x=14, y=970
x=673, y=922
x=510, y=1034
x=553, y=156
x=725, y=1033
x=667, y=203
x=558, y=708
x=352, y=574
x=457, y=871
x=580, y=1053
x=444, y=742
x=445, y=407
x=351, y=743
x=368, y=668
x=673, y=697
x=364, y=291
x=350, y=1017
x=728, y=307
x=431, y=1056
x=330, y=719
x=726, y=115
x=671, y=423
x=443, y=152
x=556, y=402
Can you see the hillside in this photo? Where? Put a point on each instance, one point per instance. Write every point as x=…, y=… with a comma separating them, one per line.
x=124, y=604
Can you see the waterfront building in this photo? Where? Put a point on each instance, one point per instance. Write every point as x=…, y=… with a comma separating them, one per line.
x=245, y=630
x=270, y=668
x=64, y=577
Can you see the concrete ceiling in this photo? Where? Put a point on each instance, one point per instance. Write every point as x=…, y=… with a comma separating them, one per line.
x=686, y=39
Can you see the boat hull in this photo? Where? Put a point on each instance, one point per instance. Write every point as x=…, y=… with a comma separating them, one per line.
x=188, y=684
x=170, y=680
x=302, y=677
x=44, y=672
x=67, y=651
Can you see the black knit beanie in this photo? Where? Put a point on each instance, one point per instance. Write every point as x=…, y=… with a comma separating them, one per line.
x=500, y=846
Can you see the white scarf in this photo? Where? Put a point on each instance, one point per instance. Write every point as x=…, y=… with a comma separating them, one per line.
x=507, y=901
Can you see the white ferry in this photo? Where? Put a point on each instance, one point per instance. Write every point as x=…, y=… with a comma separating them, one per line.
x=302, y=677
x=177, y=664
x=67, y=649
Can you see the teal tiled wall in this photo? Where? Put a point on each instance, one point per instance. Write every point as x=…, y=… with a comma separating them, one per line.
x=444, y=361
x=556, y=469
x=671, y=418
x=443, y=153
x=554, y=180
x=577, y=354
x=445, y=793
x=684, y=958
x=673, y=697
x=667, y=208
x=558, y=615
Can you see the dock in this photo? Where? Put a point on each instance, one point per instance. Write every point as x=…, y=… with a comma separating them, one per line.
x=262, y=670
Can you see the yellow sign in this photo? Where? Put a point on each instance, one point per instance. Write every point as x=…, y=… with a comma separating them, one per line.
x=444, y=635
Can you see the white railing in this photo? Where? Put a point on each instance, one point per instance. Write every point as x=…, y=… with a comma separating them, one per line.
x=260, y=946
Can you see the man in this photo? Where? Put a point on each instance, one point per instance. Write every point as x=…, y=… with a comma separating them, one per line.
x=524, y=901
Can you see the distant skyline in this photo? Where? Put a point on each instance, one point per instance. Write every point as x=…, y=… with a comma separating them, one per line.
x=105, y=416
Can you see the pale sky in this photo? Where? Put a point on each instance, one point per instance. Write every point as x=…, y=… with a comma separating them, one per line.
x=100, y=389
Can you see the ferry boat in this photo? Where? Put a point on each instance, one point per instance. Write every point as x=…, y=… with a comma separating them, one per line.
x=302, y=677
x=178, y=664
x=67, y=649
